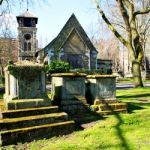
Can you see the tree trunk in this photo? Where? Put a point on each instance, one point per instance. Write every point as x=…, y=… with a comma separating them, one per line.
x=136, y=71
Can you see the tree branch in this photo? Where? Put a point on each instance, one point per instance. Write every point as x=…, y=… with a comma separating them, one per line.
x=143, y=11
x=124, y=13
x=1, y=1
x=117, y=24
x=113, y=29
x=110, y=26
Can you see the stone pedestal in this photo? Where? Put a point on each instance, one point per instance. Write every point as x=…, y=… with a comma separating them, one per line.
x=101, y=94
x=100, y=88
x=68, y=91
x=24, y=80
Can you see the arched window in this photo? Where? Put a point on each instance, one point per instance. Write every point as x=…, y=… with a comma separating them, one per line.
x=29, y=46
x=25, y=46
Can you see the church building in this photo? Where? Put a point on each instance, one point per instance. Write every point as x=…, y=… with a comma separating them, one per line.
x=73, y=46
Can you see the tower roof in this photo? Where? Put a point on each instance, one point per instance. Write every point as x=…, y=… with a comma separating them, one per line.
x=27, y=14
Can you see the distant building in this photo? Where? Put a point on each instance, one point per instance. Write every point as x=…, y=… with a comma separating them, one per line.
x=147, y=58
x=72, y=45
x=104, y=63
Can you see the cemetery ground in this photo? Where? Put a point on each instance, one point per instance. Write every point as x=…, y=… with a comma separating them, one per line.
x=130, y=131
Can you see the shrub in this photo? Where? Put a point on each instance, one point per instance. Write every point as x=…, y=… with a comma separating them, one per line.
x=58, y=67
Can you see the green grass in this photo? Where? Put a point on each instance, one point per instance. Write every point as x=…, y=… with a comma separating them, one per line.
x=115, y=132
x=129, y=80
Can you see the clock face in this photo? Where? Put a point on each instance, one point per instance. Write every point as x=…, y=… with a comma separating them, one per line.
x=27, y=36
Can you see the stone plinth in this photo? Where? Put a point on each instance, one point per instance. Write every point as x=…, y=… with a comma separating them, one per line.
x=68, y=91
x=101, y=88
x=101, y=94
x=24, y=80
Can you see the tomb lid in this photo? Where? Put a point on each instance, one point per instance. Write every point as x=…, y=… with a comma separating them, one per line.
x=27, y=63
x=101, y=76
x=70, y=74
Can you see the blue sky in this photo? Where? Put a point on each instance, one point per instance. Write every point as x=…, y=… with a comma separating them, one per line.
x=53, y=14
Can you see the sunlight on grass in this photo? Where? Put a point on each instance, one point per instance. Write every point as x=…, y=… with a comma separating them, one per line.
x=133, y=94
x=129, y=131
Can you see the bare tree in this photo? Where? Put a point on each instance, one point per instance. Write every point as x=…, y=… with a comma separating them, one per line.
x=8, y=44
x=109, y=49
x=132, y=41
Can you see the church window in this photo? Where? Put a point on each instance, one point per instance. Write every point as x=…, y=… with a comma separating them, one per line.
x=25, y=46
x=27, y=36
x=29, y=46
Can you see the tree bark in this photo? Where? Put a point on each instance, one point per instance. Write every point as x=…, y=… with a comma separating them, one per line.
x=136, y=71
x=132, y=42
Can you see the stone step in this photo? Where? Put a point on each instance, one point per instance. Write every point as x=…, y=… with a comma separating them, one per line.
x=28, y=112
x=27, y=103
x=35, y=133
x=112, y=106
x=14, y=123
x=75, y=108
x=108, y=112
x=109, y=106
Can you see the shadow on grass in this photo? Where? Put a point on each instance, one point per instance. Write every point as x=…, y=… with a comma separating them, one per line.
x=134, y=106
x=86, y=119
x=131, y=107
x=122, y=138
x=133, y=96
x=124, y=144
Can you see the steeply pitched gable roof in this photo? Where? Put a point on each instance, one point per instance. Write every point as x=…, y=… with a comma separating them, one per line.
x=71, y=24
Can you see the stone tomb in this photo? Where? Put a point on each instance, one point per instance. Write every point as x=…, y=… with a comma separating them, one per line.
x=29, y=115
x=68, y=91
x=24, y=80
x=101, y=94
x=101, y=88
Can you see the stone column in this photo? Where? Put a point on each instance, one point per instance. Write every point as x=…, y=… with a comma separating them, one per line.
x=7, y=85
x=13, y=86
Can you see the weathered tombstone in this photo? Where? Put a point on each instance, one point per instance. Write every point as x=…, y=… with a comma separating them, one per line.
x=29, y=113
x=68, y=91
x=101, y=94
x=101, y=88
x=24, y=80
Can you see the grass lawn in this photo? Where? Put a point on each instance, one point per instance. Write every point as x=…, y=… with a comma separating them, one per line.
x=129, y=80
x=115, y=132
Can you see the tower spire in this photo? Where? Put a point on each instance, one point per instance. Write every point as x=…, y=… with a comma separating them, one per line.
x=27, y=4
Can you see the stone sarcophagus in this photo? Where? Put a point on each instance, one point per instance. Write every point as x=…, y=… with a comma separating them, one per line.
x=101, y=88
x=24, y=80
x=68, y=91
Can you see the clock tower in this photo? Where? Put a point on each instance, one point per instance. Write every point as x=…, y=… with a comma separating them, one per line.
x=27, y=35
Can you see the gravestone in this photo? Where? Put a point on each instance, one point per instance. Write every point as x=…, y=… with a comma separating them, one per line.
x=101, y=88
x=29, y=115
x=68, y=91
x=24, y=80
x=101, y=94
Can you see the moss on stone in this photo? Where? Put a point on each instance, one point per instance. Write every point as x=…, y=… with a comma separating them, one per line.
x=69, y=74
x=101, y=76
